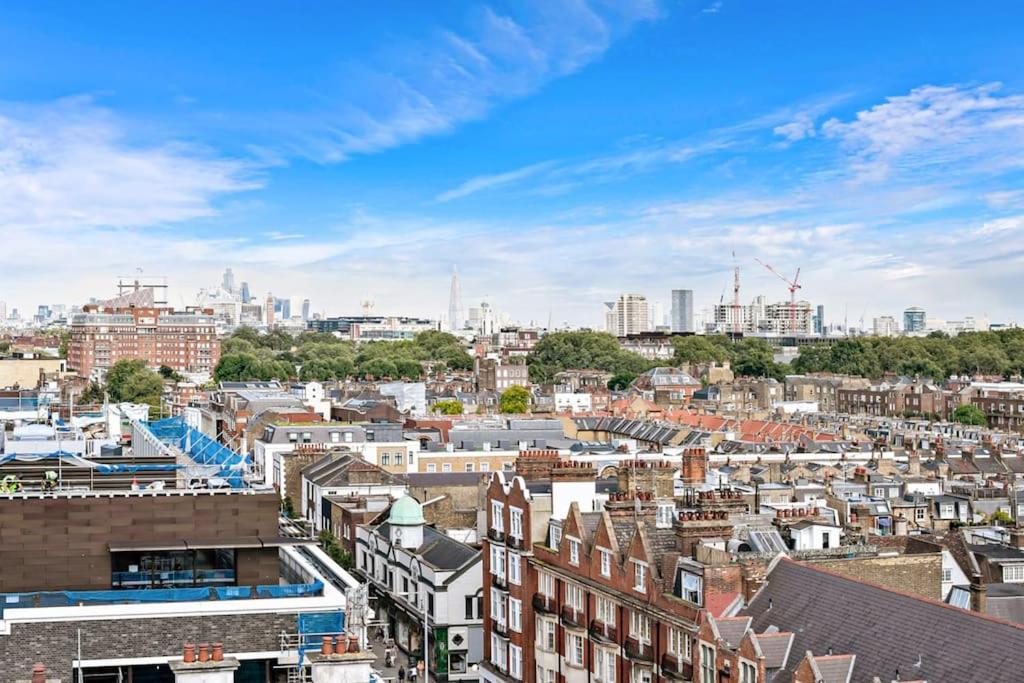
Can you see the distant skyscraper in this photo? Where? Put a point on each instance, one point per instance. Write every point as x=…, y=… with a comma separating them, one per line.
x=629, y=315
x=228, y=284
x=913, y=320
x=455, y=315
x=682, y=310
x=819, y=320
x=268, y=313
x=284, y=307
x=244, y=293
x=305, y=309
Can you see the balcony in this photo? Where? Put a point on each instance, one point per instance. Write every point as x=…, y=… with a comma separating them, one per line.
x=572, y=617
x=544, y=603
x=603, y=632
x=640, y=651
x=499, y=627
x=676, y=668
x=515, y=542
x=499, y=581
x=496, y=536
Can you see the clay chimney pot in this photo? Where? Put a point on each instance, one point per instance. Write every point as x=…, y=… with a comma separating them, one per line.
x=189, y=654
x=204, y=652
x=218, y=652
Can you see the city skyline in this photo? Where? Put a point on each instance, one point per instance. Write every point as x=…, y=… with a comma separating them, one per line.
x=346, y=161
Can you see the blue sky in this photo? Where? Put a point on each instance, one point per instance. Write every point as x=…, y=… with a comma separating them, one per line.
x=559, y=152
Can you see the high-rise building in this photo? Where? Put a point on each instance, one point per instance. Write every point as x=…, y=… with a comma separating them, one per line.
x=269, y=310
x=630, y=314
x=284, y=307
x=885, y=326
x=305, y=309
x=456, y=318
x=682, y=310
x=182, y=340
x=819, y=320
x=228, y=283
x=914, y=320
x=244, y=293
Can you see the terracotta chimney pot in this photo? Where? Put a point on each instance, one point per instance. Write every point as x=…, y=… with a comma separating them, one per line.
x=189, y=654
x=218, y=652
x=38, y=673
x=204, y=652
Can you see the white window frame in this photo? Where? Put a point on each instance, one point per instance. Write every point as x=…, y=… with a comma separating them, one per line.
x=605, y=611
x=515, y=662
x=574, y=550
x=498, y=516
x=546, y=584
x=606, y=563
x=679, y=643
x=639, y=576
x=515, y=575
x=640, y=626
x=497, y=560
x=547, y=632
x=574, y=596
x=515, y=614
x=1013, y=573
x=707, y=663
x=748, y=672
x=515, y=522
x=574, y=646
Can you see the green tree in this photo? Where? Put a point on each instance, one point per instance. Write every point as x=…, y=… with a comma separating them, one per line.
x=582, y=351
x=701, y=349
x=621, y=381
x=969, y=415
x=378, y=368
x=93, y=394
x=449, y=407
x=131, y=381
x=755, y=358
x=515, y=399
x=330, y=545
x=167, y=372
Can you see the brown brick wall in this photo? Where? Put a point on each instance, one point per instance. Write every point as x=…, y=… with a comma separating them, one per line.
x=55, y=644
x=62, y=542
x=918, y=574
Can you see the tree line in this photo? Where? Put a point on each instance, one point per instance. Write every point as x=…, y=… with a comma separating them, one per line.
x=318, y=356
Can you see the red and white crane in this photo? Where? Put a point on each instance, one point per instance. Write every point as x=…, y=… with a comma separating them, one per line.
x=793, y=285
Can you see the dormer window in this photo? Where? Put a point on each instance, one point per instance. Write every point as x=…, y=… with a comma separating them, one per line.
x=497, y=516
x=691, y=587
x=574, y=551
x=606, y=563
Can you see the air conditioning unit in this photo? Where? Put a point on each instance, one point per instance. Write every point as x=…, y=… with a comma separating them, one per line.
x=458, y=638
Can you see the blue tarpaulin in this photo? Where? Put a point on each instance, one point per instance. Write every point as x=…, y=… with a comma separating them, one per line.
x=202, y=449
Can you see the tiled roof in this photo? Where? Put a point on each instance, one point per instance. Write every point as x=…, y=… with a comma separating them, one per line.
x=835, y=668
x=886, y=629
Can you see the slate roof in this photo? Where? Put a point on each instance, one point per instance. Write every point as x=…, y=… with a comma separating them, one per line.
x=439, y=550
x=835, y=668
x=886, y=629
x=775, y=647
x=732, y=629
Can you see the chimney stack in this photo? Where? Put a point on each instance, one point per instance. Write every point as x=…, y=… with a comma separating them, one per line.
x=204, y=668
x=979, y=595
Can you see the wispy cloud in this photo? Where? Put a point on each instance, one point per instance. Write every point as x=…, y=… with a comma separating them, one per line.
x=490, y=182
x=277, y=235
x=432, y=86
x=70, y=165
x=934, y=128
x=713, y=8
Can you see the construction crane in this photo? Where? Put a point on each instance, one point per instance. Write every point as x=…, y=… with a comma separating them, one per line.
x=736, y=327
x=793, y=285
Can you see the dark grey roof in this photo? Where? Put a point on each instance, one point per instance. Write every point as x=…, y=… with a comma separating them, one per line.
x=887, y=630
x=835, y=668
x=732, y=630
x=442, y=479
x=776, y=648
x=439, y=550
x=996, y=552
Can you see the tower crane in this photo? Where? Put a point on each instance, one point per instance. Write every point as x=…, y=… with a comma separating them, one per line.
x=793, y=285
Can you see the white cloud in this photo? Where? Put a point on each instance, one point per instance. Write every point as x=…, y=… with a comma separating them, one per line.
x=713, y=8
x=935, y=128
x=1000, y=226
x=70, y=165
x=799, y=129
x=490, y=182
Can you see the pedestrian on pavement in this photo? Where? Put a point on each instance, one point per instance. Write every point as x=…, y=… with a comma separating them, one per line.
x=401, y=674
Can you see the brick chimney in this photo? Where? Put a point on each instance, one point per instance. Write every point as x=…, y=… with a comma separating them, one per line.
x=211, y=666
x=695, y=466
x=341, y=664
x=536, y=464
x=979, y=595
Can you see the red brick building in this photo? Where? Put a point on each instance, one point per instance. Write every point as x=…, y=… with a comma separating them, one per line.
x=183, y=340
x=611, y=596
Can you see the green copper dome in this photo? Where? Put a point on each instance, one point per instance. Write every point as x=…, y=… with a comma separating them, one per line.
x=406, y=511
